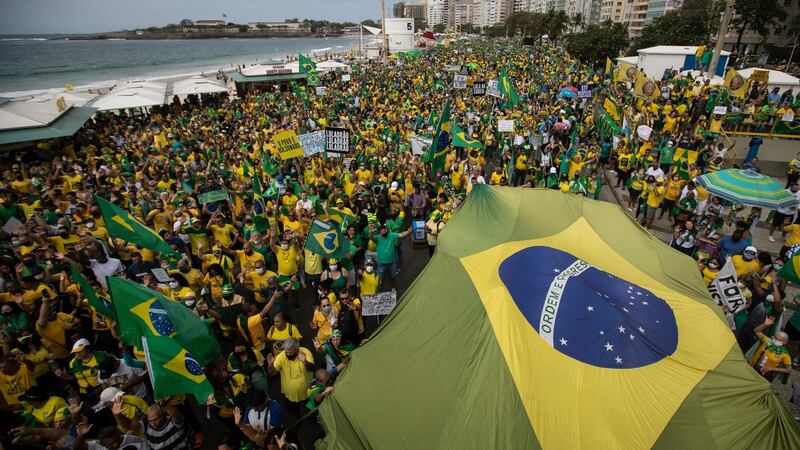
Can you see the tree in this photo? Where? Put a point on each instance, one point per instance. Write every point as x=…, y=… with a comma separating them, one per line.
x=439, y=28
x=577, y=21
x=293, y=20
x=598, y=42
x=758, y=15
x=556, y=24
x=692, y=24
x=498, y=30
x=186, y=23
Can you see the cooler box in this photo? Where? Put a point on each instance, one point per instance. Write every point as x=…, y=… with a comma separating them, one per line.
x=418, y=236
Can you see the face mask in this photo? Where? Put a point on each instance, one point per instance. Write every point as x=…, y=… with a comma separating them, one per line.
x=290, y=357
x=189, y=303
x=713, y=266
x=369, y=269
x=776, y=343
x=184, y=269
x=747, y=257
x=90, y=225
x=326, y=309
x=777, y=266
x=173, y=285
x=256, y=240
x=260, y=270
x=285, y=246
x=334, y=266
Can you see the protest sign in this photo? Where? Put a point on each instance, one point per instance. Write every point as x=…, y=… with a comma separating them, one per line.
x=379, y=304
x=212, y=196
x=788, y=117
x=493, y=88
x=721, y=110
x=505, y=126
x=724, y=289
x=585, y=90
x=460, y=81
x=762, y=76
x=322, y=90
x=161, y=275
x=337, y=140
x=312, y=143
x=479, y=88
x=346, y=77
x=288, y=144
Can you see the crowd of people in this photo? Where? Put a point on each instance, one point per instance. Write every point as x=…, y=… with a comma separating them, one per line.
x=68, y=381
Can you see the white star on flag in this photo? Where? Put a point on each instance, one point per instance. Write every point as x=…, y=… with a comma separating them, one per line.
x=556, y=270
x=590, y=308
x=644, y=303
x=641, y=330
x=621, y=329
x=602, y=332
x=625, y=309
x=609, y=347
x=633, y=337
x=563, y=341
x=618, y=360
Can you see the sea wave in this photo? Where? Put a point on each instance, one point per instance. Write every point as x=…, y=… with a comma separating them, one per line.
x=23, y=39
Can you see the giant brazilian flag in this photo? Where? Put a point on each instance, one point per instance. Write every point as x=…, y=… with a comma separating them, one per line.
x=561, y=326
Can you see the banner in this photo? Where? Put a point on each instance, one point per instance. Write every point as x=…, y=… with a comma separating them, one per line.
x=288, y=145
x=505, y=126
x=724, y=289
x=585, y=90
x=762, y=76
x=312, y=143
x=337, y=140
x=460, y=81
x=321, y=91
x=346, y=77
x=380, y=304
x=479, y=88
x=212, y=196
x=419, y=144
x=493, y=88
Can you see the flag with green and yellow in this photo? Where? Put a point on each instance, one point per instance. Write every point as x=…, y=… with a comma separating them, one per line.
x=173, y=370
x=120, y=224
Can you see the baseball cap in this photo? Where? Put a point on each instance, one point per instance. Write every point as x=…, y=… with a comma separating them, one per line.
x=110, y=394
x=393, y=186
x=80, y=344
x=750, y=249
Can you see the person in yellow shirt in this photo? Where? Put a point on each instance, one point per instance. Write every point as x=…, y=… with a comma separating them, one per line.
x=280, y=331
x=671, y=194
x=772, y=356
x=224, y=233
x=288, y=256
x=746, y=263
x=368, y=279
x=247, y=257
x=257, y=280
x=496, y=176
x=655, y=194
x=128, y=410
x=52, y=327
x=42, y=406
x=15, y=380
x=294, y=365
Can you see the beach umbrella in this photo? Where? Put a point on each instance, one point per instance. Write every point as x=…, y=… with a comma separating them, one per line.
x=748, y=188
x=566, y=326
x=567, y=93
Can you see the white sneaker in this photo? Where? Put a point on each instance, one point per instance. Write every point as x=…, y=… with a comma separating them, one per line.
x=771, y=239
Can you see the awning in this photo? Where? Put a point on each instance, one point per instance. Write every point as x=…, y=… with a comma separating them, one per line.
x=134, y=94
x=196, y=85
x=239, y=78
x=65, y=125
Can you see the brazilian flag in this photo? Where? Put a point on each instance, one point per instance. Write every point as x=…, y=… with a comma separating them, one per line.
x=460, y=139
x=506, y=87
x=567, y=326
x=326, y=239
x=144, y=312
x=124, y=226
x=791, y=270
x=173, y=370
x=306, y=64
x=100, y=305
x=441, y=140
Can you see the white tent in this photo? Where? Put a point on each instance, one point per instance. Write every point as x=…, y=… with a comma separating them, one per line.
x=271, y=69
x=777, y=79
x=198, y=85
x=70, y=98
x=332, y=65
x=25, y=114
x=134, y=94
x=629, y=59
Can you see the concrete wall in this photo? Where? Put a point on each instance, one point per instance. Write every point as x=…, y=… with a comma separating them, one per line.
x=773, y=154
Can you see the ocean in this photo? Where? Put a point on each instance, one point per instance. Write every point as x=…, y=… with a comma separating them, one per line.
x=33, y=64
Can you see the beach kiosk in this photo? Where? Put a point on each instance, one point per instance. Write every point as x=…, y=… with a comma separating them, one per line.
x=268, y=74
x=655, y=60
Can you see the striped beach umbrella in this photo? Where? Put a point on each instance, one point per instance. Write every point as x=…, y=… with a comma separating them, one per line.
x=748, y=188
x=564, y=326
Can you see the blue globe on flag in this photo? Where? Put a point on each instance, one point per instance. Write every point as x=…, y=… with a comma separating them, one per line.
x=160, y=319
x=586, y=313
x=192, y=366
x=330, y=241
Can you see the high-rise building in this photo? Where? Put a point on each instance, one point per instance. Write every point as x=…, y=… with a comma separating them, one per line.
x=657, y=8
x=417, y=11
x=635, y=14
x=398, y=9
x=497, y=11
x=439, y=12
x=779, y=35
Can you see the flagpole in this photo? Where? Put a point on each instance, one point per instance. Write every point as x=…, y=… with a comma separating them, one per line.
x=360, y=40
x=383, y=26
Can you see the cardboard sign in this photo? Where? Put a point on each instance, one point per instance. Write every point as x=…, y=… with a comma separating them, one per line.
x=379, y=304
x=788, y=117
x=479, y=88
x=724, y=289
x=288, y=145
x=312, y=143
x=762, y=76
x=585, y=90
x=322, y=90
x=721, y=110
x=505, y=126
x=460, y=81
x=337, y=140
x=212, y=196
x=12, y=225
x=346, y=77
x=161, y=275
x=493, y=88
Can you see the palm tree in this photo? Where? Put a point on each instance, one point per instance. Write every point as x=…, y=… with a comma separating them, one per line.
x=556, y=24
x=578, y=21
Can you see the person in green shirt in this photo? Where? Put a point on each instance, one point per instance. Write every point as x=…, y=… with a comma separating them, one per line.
x=386, y=253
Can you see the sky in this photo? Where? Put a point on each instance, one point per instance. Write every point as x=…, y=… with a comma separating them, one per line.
x=91, y=16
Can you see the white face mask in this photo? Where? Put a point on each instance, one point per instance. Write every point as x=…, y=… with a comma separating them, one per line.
x=90, y=225
x=713, y=266
x=334, y=266
x=173, y=285
x=189, y=303
x=260, y=270
x=369, y=269
x=285, y=246
x=256, y=240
